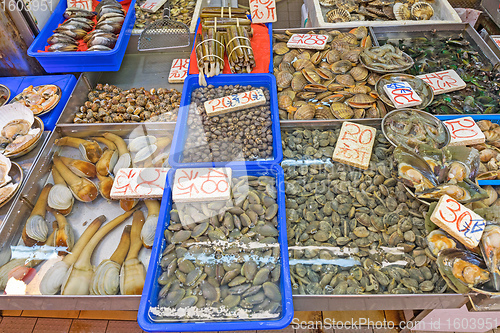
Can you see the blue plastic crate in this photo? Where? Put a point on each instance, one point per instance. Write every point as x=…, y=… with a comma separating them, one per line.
x=151, y=287
x=494, y=118
x=64, y=62
x=269, y=28
x=13, y=84
x=180, y=135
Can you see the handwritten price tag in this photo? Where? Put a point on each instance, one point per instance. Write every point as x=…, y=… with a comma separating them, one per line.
x=152, y=6
x=139, y=183
x=178, y=71
x=236, y=102
x=83, y=4
x=354, y=146
x=402, y=95
x=263, y=11
x=443, y=82
x=464, y=131
x=496, y=39
x=457, y=220
x=307, y=41
x=202, y=184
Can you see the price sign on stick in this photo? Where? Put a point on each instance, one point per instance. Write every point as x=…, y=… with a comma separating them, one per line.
x=443, y=82
x=178, y=71
x=457, y=220
x=236, y=102
x=83, y=4
x=354, y=146
x=402, y=95
x=263, y=11
x=202, y=184
x=464, y=131
x=139, y=183
x=307, y=41
x=152, y=6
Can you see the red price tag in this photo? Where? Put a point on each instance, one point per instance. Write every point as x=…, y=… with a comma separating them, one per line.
x=402, y=94
x=178, y=70
x=459, y=221
x=464, y=131
x=307, y=41
x=263, y=11
x=355, y=144
x=133, y=183
x=202, y=184
x=496, y=40
x=83, y=4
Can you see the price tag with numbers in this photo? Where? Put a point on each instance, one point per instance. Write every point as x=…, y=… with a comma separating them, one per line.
x=236, y=102
x=83, y=4
x=464, y=131
x=457, y=220
x=354, y=146
x=263, y=11
x=402, y=95
x=496, y=39
x=443, y=82
x=139, y=183
x=152, y=6
x=307, y=41
x=178, y=71
x=202, y=184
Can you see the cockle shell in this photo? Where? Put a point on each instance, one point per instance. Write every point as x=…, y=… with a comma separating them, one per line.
x=37, y=229
x=338, y=15
x=341, y=110
x=60, y=198
x=305, y=112
x=283, y=79
x=106, y=278
x=323, y=112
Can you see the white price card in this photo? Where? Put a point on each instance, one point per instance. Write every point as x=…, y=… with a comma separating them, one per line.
x=464, y=131
x=152, y=6
x=235, y=102
x=263, y=11
x=202, y=184
x=457, y=220
x=307, y=41
x=139, y=183
x=178, y=71
x=83, y=4
x=443, y=82
x=354, y=146
x=402, y=95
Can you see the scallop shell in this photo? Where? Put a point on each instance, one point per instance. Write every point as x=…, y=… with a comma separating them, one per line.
x=140, y=142
x=36, y=228
x=60, y=197
x=341, y=110
x=338, y=15
x=305, y=112
x=5, y=165
x=401, y=11
x=15, y=111
x=422, y=11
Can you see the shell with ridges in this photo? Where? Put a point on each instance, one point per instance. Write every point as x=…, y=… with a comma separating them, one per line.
x=283, y=79
x=106, y=278
x=422, y=11
x=60, y=198
x=401, y=11
x=280, y=48
x=323, y=112
x=338, y=15
x=37, y=229
x=341, y=110
x=305, y=112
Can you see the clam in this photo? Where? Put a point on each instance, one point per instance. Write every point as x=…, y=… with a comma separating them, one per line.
x=359, y=73
x=149, y=229
x=422, y=11
x=438, y=240
x=90, y=150
x=462, y=270
x=341, y=110
x=332, y=56
x=323, y=112
x=149, y=151
x=301, y=64
x=363, y=101
x=82, y=188
x=490, y=247
x=60, y=196
x=283, y=79
x=345, y=79
x=414, y=170
x=341, y=66
x=280, y=48
x=401, y=11
x=298, y=82
x=124, y=160
x=305, y=112
x=311, y=76
x=347, y=37
x=54, y=277
x=35, y=230
x=78, y=278
x=107, y=162
x=359, y=32
x=133, y=274
x=106, y=278
x=79, y=167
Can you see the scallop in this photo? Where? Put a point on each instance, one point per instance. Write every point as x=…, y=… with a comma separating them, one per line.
x=401, y=11
x=338, y=15
x=422, y=11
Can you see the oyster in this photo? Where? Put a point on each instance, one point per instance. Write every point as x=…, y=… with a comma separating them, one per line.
x=490, y=247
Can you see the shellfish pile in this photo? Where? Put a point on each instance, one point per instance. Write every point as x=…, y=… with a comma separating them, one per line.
x=39, y=99
x=110, y=104
x=227, y=264
x=337, y=11
x=352, y=231
x=180, y=10
x=326, y=84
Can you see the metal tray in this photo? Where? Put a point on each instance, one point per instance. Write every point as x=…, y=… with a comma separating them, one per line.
x=148, y=70
x=11, y=228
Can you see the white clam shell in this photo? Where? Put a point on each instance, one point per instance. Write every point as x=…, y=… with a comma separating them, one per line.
x=140, y=142
x=148, y=230
x=53, y=279
x=106, y=279
x=113, y=160
x=123, y=162
x=37, y=229
x=60, y=197
x=5, y=165
x=144, y=153
x=163, y=159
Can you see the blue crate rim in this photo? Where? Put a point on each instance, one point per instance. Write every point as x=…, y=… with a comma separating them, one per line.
x=269, y=28
x=285, y=282
x=116, y=49
x=180, y=134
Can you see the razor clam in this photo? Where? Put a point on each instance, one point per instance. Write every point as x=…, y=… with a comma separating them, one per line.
x=133, y=274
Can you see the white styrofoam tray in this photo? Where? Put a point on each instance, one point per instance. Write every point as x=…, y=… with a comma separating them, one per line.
x=443, y=13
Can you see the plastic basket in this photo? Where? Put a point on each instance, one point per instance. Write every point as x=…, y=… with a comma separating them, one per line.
x=151, y=287
x=64, y=62
x=181, y=130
